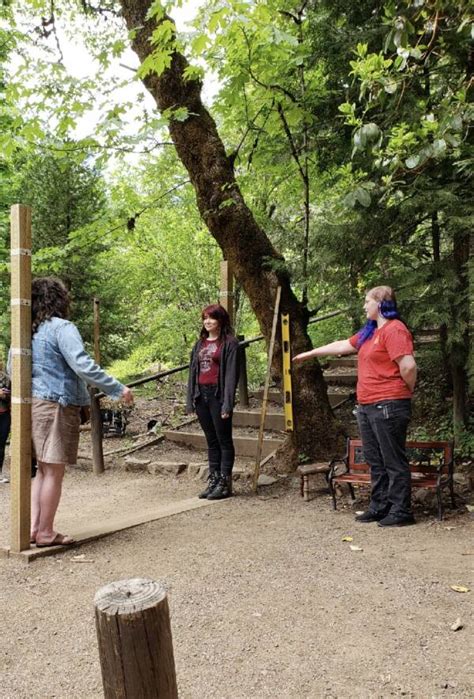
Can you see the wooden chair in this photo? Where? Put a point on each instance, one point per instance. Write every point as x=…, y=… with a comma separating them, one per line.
x=306, y=471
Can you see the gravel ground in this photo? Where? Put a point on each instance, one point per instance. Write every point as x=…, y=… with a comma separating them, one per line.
x=266, y=598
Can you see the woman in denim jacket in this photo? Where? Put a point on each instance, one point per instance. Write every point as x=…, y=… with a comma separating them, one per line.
x=61, y=368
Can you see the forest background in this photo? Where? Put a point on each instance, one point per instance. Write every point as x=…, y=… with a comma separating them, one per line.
x=346, y=128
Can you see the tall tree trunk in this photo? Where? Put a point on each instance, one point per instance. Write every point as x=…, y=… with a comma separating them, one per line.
x=459, y=349
x=443, y=328
x=258, y=267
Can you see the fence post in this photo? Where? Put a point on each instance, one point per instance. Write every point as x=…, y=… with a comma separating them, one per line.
x=243, y=381
x=134, y=638
x=226, y=295
x=20, y=468
x=96, y=420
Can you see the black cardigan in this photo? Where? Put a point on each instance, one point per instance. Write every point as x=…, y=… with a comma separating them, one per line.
x=228, y=375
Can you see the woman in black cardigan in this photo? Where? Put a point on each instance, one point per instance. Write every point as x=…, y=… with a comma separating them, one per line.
x=213, y=378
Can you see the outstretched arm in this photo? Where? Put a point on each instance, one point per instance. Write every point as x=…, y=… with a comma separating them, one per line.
x=337, y=347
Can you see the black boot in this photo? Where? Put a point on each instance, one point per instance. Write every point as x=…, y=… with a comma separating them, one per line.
x=212, y=481
x=223, y=488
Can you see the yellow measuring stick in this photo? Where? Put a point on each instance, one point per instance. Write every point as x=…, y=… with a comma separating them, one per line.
x=287, y=395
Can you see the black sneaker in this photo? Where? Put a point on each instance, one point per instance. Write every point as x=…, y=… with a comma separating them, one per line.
x=212, y=481
x=370, y=516
x=392, y=520
x=223, y=489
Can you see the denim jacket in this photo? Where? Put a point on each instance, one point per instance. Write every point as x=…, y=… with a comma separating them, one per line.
x=61, y=367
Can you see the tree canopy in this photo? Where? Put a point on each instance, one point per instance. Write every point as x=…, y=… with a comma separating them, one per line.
x=333, y=155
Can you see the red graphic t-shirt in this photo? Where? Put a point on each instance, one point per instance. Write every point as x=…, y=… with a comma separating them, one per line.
x=378, y=374
x=209, y=360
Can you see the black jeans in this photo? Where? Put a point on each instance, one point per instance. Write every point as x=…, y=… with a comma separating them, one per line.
x=5, y=421
x=218, y=431
x=383, y=430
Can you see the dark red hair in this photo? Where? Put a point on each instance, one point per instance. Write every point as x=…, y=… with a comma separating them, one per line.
x=217, y=312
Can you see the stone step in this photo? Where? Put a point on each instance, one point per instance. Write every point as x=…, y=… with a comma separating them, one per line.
x=244, y=446
x=340, y=377
x=250, y=417
x=349, y=361
x=335, y=396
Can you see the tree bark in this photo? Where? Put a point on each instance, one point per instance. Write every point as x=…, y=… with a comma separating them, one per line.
x=258, y=267
x=460, y=343
x=134, y=639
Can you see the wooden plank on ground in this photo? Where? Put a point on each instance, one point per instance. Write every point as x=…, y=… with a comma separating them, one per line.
x=116, y=524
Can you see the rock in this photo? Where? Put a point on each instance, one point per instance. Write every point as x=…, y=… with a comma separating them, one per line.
x=203, y=472
x=238, y=472
x=194, y=468
x=423, y=496
x=265, y=479
x=295, y=482
x=166, y=468
x=460, y=478
x=133, y=464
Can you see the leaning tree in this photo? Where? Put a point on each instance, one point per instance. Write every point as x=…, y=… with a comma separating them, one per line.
x=257, y=266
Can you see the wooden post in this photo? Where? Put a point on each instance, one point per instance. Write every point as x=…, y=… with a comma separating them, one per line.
x=226, y=296
x=98, y=465
x=243, y=382
x=20, y=467
x=97, y=330
x=134, y=637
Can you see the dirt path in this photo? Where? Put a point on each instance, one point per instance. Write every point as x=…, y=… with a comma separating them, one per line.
x=266, y=598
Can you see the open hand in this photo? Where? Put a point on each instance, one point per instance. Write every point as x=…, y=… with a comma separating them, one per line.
x=127, y=396
x=298, y=358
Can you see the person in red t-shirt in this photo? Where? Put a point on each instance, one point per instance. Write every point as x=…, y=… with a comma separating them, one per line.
x=386, y=380
x=213, y=378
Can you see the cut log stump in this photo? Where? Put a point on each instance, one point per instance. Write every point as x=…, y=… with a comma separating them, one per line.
x=134, y=638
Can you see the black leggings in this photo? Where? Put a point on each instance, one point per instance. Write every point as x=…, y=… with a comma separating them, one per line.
x=217, y=430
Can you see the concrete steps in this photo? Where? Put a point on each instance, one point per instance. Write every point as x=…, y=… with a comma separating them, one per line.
x=341, y=377
x=244, y=446
x=350, y=361
x=335, y=396
x=340, y=374
x=250, y=417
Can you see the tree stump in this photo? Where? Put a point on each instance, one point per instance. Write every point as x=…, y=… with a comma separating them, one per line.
x=134, y=637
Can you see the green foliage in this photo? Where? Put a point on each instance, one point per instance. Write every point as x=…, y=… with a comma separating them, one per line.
x=347, y=125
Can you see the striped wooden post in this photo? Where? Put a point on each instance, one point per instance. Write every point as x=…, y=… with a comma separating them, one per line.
x=20, y=468
x=98, y=464
x=226, y=295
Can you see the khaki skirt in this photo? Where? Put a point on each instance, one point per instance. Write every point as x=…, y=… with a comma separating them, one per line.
x=55, y=432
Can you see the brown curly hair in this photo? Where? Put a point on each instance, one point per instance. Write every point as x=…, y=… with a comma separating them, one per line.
x=49, y=298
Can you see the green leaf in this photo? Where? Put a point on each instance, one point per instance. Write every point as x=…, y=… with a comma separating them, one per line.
x=363, y=196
